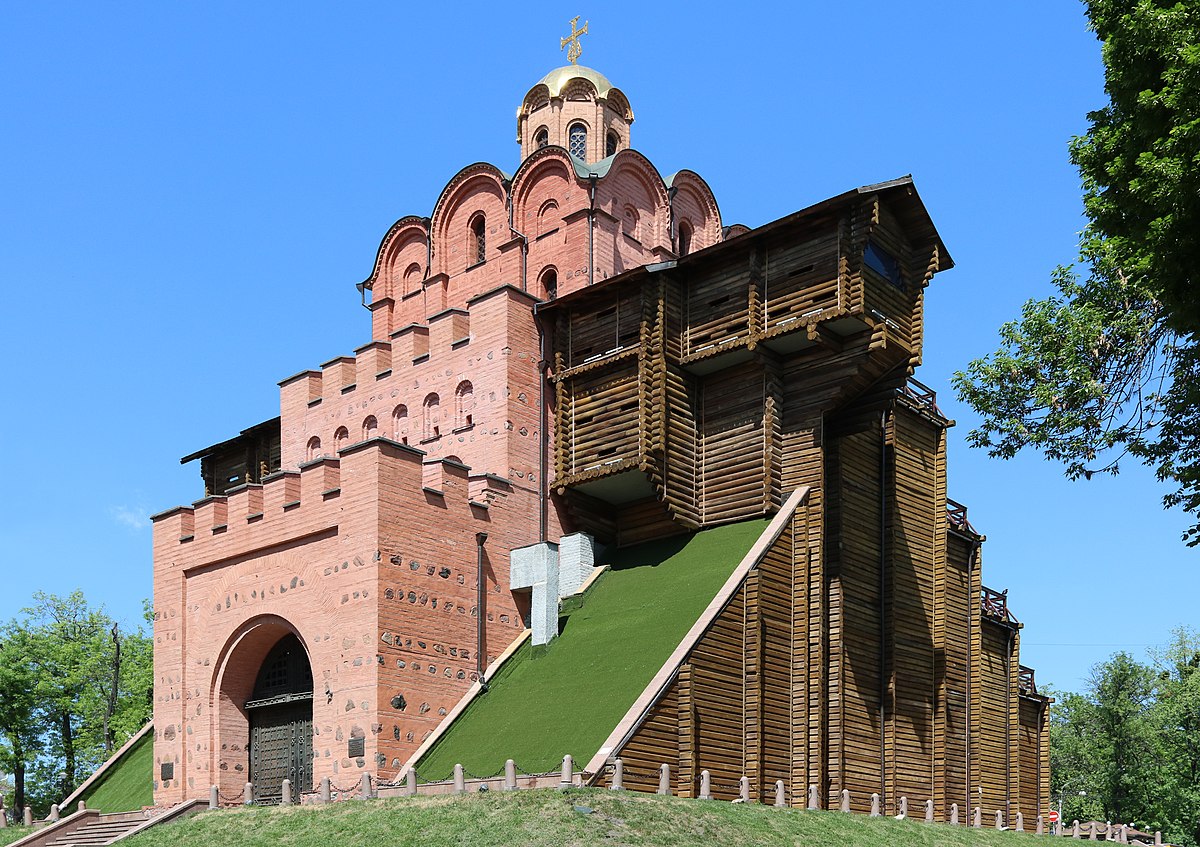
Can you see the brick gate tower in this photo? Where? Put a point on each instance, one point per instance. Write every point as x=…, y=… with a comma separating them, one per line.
x=575, y=357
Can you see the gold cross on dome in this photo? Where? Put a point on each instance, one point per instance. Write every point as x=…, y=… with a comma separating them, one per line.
x=574, y=50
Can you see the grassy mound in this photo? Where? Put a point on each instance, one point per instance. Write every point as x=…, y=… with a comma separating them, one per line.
x=128, y=784
x=552, y=818
x=567, y=696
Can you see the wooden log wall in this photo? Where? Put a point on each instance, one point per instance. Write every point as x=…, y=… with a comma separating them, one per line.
x=1034, y=774
x=732, y=443
x=916, y=537
x=731, y=709
x=601, y=415
x=955, y=625
x=854, y=514
x=994, y=750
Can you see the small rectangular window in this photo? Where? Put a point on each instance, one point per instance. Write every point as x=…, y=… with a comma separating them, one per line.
x=883, y=263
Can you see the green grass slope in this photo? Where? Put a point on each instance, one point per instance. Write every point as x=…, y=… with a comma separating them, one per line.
x=12, y=833
x=128, y=784
x=551, y=818
x=567, y=696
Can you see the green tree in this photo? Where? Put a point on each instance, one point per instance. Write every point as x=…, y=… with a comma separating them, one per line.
x=1109, y=366
x=81, y=687
x=20, y=740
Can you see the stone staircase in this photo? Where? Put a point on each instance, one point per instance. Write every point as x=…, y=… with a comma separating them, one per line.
x=90, y=828
x=104, y=829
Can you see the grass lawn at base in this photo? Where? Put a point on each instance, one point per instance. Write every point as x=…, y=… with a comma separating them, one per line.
x=128, y=785
x=11, y=833
x=567, y=696
x=550, y=818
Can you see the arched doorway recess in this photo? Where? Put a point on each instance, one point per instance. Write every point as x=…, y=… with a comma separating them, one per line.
x=281, y=717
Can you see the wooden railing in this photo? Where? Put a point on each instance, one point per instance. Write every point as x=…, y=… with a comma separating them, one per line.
x=994, y=604
x=956, y=514
x=922, y=395
x=1025, y=681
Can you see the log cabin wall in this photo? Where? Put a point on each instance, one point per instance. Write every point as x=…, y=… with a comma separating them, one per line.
x=994, y=739
x=956, y=622
x=786, y=362
x=854, y=513
x=916, y=538
x=732, y=708
x=1034, y=776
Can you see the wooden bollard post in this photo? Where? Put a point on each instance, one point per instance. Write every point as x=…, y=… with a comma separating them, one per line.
x=81, y=806
x=875, y=806
x=780, y=794
x=954, y=814
x=705, y=785
x=285, y=798
x=845, y=807
x=903, y=811
x=248, y=794
x=214, y=797
x=1020, y=827
x=1092, y=831
x=53, y=813
x=814, y=799
x=1123, y=834
x=27, y=817
x=410, y=782
x=664, y=779
x=1075, y=833
x=366, y=786
x=1041, y=826
x=568, y=772
x=999, y=819
x=744, y=789
x=618, y=777
x=977, y=818
x=510, y=775
x=460, y=785
x=1158, y=838
x=928, y=811
x=326, y=790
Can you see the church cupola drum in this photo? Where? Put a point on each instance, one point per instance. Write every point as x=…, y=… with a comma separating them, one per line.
x=581, y=365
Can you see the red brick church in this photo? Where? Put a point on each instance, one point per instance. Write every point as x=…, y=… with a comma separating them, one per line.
x=566, y=361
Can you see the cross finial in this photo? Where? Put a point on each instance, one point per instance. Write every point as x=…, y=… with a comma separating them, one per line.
x=574, y=50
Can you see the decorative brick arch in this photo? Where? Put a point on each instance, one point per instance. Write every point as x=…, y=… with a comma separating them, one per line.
x=237, y=668
x=695, y=203
x=479, y=188
x=406, y=243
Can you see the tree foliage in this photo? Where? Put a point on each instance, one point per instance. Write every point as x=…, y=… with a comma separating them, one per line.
x=75, y=687
x=1128, y=749
x=1107, y=367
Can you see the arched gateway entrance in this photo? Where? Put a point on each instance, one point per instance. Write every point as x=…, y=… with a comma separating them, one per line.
x=281, y=718
x=263, y=711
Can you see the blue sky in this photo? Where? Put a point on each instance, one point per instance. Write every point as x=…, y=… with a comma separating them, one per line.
x=190, y=191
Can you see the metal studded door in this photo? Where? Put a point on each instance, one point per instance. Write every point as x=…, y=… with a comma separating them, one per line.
x=281, y=748
x=281, y=722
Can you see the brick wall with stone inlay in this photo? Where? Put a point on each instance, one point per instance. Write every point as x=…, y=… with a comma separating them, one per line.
x=304, y=553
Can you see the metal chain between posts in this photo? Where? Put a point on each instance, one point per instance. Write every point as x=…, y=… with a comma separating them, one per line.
x=470, y=775
x=236, y=798
x=339, y=790
x=423, y=781
x=520, y=770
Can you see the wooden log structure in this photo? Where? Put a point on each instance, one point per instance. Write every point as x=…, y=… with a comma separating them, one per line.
x=862, y=654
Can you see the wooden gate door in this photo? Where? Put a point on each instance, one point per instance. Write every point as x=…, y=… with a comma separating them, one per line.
x=281, y=748
x=281, y=722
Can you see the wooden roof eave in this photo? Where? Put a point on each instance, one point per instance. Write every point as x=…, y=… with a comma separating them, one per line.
x=902, y=192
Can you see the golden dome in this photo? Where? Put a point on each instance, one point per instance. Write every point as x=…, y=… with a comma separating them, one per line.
x=558, y=78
